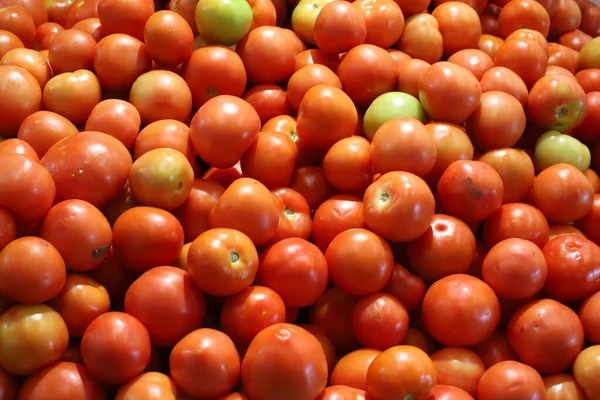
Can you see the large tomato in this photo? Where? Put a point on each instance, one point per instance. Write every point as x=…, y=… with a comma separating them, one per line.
x=63, y=380
x=511, y=380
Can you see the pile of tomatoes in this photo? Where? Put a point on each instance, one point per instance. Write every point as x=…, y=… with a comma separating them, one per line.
x=299, y=200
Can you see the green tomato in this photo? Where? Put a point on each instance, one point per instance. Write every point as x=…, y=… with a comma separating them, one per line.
x=223, y=21
x=554, y=148
x=389, y=106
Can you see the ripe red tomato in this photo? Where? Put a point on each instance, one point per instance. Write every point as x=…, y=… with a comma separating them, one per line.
x=166, y=293
x=460, y=310
x=158, y=384
x=407, y=287
x=270, y=159
x=193, y=213
x=21, y=96
x=81, y=300
x=546, y=335
x=296, y=269
x=459, y=25
x=339, y=27
x=44, y=128
x=421, y=38
x=335, y=215
x=115, y=347
x=351, y=369
x=147, y=237
x=360, y=262
x=311, y=183
x=284, y=361
x=222, y=261
x=63, y=380
x=525, y=57
x=516, y=170
x=117, y=118
x=588, y=314
x=458, y=367
x=505, y=80
x=511, y=379
x=294, y=218
x=516, y=221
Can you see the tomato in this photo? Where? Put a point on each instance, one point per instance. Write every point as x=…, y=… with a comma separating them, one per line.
x=590, y=18
x=21, y=96
x=9, y=41
x=556, y=102
x=518, y=14
x=587, y=131
x=30, y=60
x=446, y=248
x=250, y=311
x=452, y=144
x=223, y=261
x=515, y=269
x=575, y=39
x=403, y=144
x=90, y=166
x=379, y=321
x=511, y=379
x=554, y=148
x=117, y=118
x=284, y=361
x=296, y=269
x=471, y=183
x=335, y=392
x=459, y=25
x=384, y=21
x=81, y=300
x=307, y=77
x=460, y=310
x=335, y=215
x=562, y=193
x=525, y=57
x=333, y=313
x=31, y=326
x=115, y=347
x=476, y=61
x=446, y=392
x=398, y=196
x=16, y=19
x=168, y=30
x=494, y=350
x=411, y=7
x=119, y=60
x=546, y=335
x=270, y=159
x=154, y=384
x=446, y=83
x=367, y=71
x=339, y=27
x=212, y=15
x=326, y=115
x=8, y=229
x=400, y=372
x=115, y=278
x=360, y=262
x=18, y=146
x=311, y=183
x=31, y=270
x=458, y=367
x=516, y=220
x=62, y=380
x=406, y=287
x=563, y=57
x=421, y=38
x=304, y=17
x=212, y=124
x=347, y=165
x=128, y=17
x=516, y=170
x=585, y=369
x=294, y=218
x=91, y=26
x=269, y=100
x=490, y=44
x=559, y=386
x=70, y=50
x=589, y=79
x=567, y=17
x=504, y=80
x=146, y=237
x=72, y=95
x=351, y=369
x=77, y=221
x=409, y=74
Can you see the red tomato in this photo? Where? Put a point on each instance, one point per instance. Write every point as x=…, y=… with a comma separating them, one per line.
x=515, y=269
x=339, y=27
x=384, y=21
x=270, y=159
x=116, y=118
x=311, y=183
x=73, y=95
x=494, y=350
x=446, y=392
x=400, y=372
x=81, y=300
x=572, y=266
x=470, y=190
x=127, y=17
x=409, y=75
x=159, y=385
x=294, y=218
x=70, y=50
x=333, y=313
x=452, y=144
x=516, y=220
x=335, y=215
x=64, y=380
x=18, y=146
x=90, y=166
x=398, y=196
x=31, y=326
x=458, y=367
x=446, y=248
x=505, y=80
x=518, y=14
x=476, y=61
x=250, y=311
x=168, y=37
x=588, y=314
x=296, y=269
x=20, y=96
x=516, y=170
x=587, y=129
x=222, y=261
x=560, y=386
x=406, y=287
x=546, y=335
x=379, y=321
x=163, y=293
x=459, y=26
x=525, y=57
x=460, y=310
x=342, y=392
x=360, y=262
x=284, y=361
x=115, y=347
x=43, y=128
x=351, y=369
x=513, y=380
x=146, y=237
x=205, y=364
x=421, y=38
x=347, y=165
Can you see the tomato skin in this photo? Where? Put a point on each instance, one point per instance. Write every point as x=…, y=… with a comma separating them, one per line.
x=360, y=262
x=90, y=166
x=505, y=80
x=296, y=269
x=407, y=287
x=284, y=361
x=21, y=96
x=585, y=369
x=446, y=248
x=294, y=218
x=525, y=57
x=61, y=381
x=470, y=190
x=379, y=321
x=516, y=220
x=459, y=26
x=511, y=379
x=398, y=196
x=31, y=325
x=166, y=292
x=150, y=385
x=115, y=347
x=458, y=367
x=454, y=319
x=351, y=369
x=546, y=335
x=560, y=386
x=494, y=350
x=270, y=159
x=421, y=38
x=140, y=238
x=222, y=261
x=339, y=27
x=401, y=372
x=117, y=118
